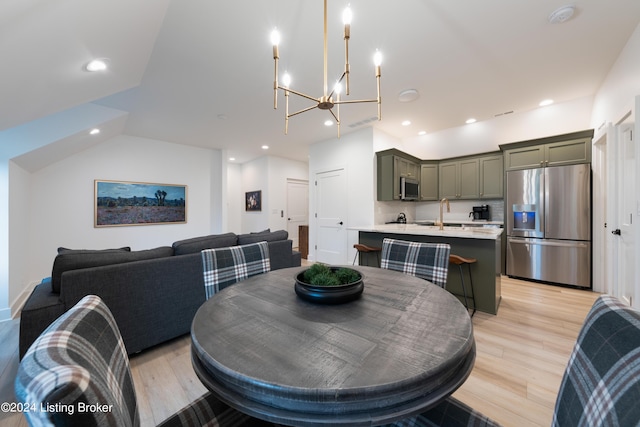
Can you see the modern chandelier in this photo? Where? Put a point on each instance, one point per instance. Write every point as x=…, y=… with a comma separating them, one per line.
x=329, y=99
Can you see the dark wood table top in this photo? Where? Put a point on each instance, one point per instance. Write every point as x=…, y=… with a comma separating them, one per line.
x=401, y=348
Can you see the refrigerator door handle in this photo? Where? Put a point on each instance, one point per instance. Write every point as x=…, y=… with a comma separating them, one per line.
x=543, y=198
x=542, y=242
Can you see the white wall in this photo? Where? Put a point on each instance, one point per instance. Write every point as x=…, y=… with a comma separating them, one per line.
x=234, y=199
x=269, y=174
x=353, y=152
x=61, y=199
x=5, y=312
x=486, y=136
x=19, y=246
x=279, y=171
x=255, y=177
x=617, y=97
x=617, y=93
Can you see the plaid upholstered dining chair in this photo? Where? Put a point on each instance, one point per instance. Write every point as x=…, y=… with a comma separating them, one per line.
x=601, y=383
x=429, y=261
x=77, y=373
x=225, y=266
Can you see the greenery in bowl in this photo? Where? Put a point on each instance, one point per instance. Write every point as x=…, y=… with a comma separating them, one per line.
x=322, y=275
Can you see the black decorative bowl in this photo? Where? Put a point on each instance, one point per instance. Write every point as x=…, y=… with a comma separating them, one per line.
x=329, y=294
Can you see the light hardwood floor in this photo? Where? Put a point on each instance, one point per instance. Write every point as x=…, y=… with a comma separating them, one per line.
x=521, y=356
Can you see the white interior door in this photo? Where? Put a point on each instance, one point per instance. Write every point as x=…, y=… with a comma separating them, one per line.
x=297, y=208
x=626, y=213
x=602, y=206
x=331, y=217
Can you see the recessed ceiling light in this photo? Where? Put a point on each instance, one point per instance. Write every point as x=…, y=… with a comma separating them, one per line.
x=231, y=159
x=96, y=65
x=471, y=120
x=328, y=123
x=94, y=131
x=408, y=95
x=546, y=102
x=265, y=147
x=406, y=123
x=422, y=132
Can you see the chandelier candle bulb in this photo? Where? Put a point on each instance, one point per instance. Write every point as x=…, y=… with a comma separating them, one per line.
x=347, y=15
x=275, y=41
x=377, y=60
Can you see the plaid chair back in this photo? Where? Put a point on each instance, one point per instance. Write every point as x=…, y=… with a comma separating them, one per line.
x=225, y=266
x=79, y=360
x=601, y=385
x=429, y=261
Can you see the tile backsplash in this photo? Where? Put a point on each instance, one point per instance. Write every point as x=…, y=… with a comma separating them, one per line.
x=460, y=210
x=416, y=211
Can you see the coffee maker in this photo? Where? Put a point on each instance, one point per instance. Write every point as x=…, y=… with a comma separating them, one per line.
x=480, y=213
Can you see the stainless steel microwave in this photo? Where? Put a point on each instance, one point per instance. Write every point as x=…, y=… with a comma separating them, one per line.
x=409, y=189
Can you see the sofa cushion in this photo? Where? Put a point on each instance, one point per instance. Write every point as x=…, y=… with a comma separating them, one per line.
x=197, y=244
x=264, y=236
x=40, y=309
x=62, y=249
x=77, y=259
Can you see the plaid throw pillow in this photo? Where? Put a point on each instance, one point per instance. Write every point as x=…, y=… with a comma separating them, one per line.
x=226, y=266
x=601, y=385
x=429, y=261
x=79, y=360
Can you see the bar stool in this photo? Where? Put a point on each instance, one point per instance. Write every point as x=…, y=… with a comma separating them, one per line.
x=366, y=249
x=460, y=261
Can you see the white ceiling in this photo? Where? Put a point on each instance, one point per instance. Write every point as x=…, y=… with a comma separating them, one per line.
x=200, y=72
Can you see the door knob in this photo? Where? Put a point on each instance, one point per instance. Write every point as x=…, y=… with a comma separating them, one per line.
x=617, y=232
x=340, y=223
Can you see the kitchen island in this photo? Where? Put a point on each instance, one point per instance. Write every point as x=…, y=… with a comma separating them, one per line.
x=481, y=243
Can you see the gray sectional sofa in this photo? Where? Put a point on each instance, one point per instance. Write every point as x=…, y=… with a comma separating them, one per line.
x=153, y=294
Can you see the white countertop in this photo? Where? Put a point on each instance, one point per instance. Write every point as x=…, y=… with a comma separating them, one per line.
x=488, y=233
x=477, y=223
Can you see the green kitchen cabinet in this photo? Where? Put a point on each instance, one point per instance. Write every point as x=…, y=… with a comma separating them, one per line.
x=392, y=165
x=491, y=177
x=559, y=150
x=459, y=179
x=429, y=181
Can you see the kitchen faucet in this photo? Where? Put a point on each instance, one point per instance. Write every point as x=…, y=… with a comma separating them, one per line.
x=441, y=222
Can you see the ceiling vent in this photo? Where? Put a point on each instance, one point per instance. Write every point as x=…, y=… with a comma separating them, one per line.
x=363, y=122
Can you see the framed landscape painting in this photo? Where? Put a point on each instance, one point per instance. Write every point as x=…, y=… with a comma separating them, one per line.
x=119, y=203
x=253, y=201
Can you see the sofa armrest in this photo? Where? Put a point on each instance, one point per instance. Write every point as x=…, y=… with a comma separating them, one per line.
x=281, y=255
x=152, y=300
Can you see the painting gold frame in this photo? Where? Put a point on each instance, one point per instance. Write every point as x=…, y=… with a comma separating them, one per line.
x=124, y=203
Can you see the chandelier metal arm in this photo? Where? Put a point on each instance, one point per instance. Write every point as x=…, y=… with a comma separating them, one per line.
x=325, y=102
x=295, y=92
x=304, y=110
x=354, y=101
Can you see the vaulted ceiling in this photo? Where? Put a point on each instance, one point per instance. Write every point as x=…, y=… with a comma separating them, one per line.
x=200, y=72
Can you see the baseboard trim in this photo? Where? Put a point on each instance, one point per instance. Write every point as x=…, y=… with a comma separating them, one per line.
x=18, y=303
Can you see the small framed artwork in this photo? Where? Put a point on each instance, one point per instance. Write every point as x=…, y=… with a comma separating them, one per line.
x=253, y=201
x=118, y=203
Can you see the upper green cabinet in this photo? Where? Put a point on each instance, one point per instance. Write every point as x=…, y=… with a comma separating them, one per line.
x=491, y=177
x=554, y=151
x=478, y=177
x=391, y=166
x=459, y=179
x=429, y=181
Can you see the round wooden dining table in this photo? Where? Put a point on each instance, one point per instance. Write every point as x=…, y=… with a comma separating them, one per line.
x=401, y=348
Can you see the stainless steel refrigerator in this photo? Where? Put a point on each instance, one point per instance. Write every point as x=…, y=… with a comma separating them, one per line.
x=548, y=213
